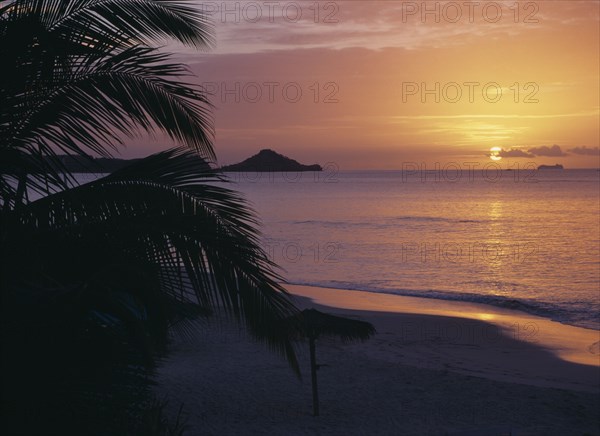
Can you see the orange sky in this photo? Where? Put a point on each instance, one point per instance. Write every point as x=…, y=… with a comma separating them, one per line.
x=371, y=65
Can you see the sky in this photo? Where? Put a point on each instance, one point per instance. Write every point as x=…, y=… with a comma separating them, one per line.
x=379, y=85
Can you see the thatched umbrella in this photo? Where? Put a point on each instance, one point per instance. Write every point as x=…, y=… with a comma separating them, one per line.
x=311, y=324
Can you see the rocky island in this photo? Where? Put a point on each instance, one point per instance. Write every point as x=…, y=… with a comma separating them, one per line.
x=270, y=161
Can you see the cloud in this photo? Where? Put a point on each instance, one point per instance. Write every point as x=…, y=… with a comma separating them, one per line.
x=515, y=152
x=586, y=151
x=544, y=150
x=255, y=26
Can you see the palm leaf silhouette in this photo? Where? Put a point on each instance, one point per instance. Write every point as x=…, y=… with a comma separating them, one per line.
x=94, y=277
x=82, y=78
x=126, y=258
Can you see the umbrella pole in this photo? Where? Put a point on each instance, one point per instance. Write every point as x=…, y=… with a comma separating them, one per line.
x=313, y=372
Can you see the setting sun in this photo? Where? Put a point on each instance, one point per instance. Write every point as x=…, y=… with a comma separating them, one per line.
x=495, y=153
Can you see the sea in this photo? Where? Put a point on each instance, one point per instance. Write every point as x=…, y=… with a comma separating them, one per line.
x=524, y=239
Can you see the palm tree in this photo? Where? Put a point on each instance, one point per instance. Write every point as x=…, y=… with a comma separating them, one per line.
x=93, y=277
x=312, y=324
x=81, y=74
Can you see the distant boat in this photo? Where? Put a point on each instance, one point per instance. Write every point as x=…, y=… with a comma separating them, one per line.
x=551, y=167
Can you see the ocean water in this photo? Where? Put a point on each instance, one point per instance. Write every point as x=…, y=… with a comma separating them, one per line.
x=528, y=240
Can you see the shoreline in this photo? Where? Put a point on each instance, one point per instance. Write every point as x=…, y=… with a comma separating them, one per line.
x=450, y=371
x=499, y=302
x=570, y=343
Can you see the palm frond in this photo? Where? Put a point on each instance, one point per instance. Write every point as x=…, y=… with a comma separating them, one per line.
x=81, y=79
x=166, y=214
x=83, y=112
x=102, y=25
x=132, y=91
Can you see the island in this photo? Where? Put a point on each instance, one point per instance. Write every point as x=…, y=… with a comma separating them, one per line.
x=270, y=161
x=265, y=161
x=87, y=164
x=550, y=167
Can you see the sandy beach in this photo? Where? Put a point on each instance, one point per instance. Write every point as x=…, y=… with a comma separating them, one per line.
x=434, y=367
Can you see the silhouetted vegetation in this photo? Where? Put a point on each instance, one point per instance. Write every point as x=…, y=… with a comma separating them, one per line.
x=95, y=277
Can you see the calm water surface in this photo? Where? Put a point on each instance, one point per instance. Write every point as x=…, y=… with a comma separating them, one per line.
x=525, y=240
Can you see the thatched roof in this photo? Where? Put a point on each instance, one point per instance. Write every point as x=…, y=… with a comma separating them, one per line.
x=314, y=323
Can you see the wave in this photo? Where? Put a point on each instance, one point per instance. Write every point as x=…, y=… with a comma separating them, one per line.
x=387, y=222
x=589, y=319
x=434, y=219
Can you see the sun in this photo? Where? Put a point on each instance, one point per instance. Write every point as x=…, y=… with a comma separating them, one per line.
x=495, y=153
